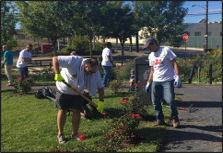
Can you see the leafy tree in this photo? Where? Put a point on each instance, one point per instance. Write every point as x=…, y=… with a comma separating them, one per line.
x=163, y=19
x=46, y=19
x=8, y=23
x=87, y=17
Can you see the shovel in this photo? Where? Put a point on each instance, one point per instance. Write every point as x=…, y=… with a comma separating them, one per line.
x=95, y=105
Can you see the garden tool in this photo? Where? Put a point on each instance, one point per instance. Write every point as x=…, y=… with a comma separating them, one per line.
x=91, y=102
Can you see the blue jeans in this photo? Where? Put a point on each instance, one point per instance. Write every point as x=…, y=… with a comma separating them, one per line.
x=169, y=95
x=23, y=72
x=107, y=74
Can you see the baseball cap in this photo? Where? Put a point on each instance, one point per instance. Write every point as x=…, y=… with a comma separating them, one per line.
x=147, y=42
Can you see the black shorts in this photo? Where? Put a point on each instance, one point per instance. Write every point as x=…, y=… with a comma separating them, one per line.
x=64, y=101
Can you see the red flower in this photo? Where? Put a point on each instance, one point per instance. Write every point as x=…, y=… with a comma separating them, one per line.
x=81, y=133
x=104, y=113
x=138, y=102
x=137, y=85
x=16, y=75
x=16, y=79
x=120, y=102
x=20, y=77
x=135, y=99
x=135, y=115
x=138, y=81
x=117, y=65
x=127, y=96
x=142, y=86
x=81, y=137
x=24, y=76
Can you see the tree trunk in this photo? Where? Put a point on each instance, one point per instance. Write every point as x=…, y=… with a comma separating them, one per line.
x=104, y=41
x=90, y=46
x=130, y=38
x=116, y=45
x=137, y=42
x=122, y=44
x=94, y=43
x=58, y=40
x=34, y=46
x=54, y=44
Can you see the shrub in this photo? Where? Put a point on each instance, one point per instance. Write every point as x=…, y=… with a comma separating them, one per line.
x=124, y=71
x=66, y=50
x=47, y=74
x=25, y=85
x=114, y=85
x=79, y=43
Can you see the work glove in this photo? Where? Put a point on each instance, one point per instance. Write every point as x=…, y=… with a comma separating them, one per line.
x=3, y=64
x=58, y=77
x=177, y=81
x=147, y=87
x=100, y=106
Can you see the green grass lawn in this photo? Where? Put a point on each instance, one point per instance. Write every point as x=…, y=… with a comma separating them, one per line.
x=29, y=124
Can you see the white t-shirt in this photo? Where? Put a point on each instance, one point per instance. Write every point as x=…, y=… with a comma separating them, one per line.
x=161, y=62
x=105, y=53
x=70, y=66
x=24, y=53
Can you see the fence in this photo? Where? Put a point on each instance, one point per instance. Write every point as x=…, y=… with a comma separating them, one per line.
x=199, y=41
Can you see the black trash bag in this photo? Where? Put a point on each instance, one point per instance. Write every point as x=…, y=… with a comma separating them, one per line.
x=39, y=94
x=45, y=92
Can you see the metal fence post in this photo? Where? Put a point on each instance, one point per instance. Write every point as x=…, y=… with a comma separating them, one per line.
x=210, y=73
x=191, y=74
x=41, y=63
x=198, y=73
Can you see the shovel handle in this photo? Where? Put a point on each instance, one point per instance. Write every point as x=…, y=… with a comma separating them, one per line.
x=95, y=105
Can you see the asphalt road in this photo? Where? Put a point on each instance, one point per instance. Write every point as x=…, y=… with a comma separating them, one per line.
x=201, y=129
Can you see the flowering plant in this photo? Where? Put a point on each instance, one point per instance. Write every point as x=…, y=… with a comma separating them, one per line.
x=23, y=86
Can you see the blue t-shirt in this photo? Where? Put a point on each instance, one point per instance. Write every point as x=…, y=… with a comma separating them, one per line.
x=10, y=57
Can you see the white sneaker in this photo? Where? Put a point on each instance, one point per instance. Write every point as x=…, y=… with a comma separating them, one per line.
x=75, y=136
x=61, y=139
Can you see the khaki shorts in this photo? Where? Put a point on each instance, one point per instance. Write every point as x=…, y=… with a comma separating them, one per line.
x=64, y=101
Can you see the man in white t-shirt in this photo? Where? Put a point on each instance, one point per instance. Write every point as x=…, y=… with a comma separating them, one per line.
x=162, y=61
x=25, y=56
x=107, y=63
x=79, y=73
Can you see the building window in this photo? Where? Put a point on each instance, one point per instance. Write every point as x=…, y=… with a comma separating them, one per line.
x=220, y=33
x=209, y=33
x=197, y=34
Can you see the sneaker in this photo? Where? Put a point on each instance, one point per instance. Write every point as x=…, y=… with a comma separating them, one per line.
x=159, y=123
x=176, y=123
x=75, y=136
x=61, y=138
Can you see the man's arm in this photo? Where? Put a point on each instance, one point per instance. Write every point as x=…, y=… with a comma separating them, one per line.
x=6, y=58
x=151, y=74
x=101, y=93
x=176, y=67
x=109, y=58
x=56, y=65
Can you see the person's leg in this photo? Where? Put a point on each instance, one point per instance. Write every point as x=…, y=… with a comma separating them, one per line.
x=61, y=102
x=21, y=72
x=26, y=71
x=75, y=121
x=61, y=119
x=8, y=73
x=169, y=96
x=105, y=78
x=76, y=102
x=156, y=90
x=109, y=73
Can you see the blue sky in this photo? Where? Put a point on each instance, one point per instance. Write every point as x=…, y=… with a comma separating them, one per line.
x=214, y=11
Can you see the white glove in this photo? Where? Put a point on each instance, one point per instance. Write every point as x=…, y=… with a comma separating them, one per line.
x=177, y=81
x=147, y=87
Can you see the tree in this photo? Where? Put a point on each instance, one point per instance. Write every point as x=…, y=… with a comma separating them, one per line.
x=163, y=19
x=46, y=19
x=8, y=23
x=87, y=17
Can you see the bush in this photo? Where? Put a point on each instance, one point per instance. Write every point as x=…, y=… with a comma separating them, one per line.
x=124, y=72
x=47, y=74
x=114, y=85
x=25, y=85
x=79, y=43
x=66, y=50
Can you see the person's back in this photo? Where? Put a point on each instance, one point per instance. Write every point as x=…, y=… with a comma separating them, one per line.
x=20, y=62
x=8, y=54
x=105, y=60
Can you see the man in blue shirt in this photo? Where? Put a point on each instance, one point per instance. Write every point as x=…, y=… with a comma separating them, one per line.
x=8, y=63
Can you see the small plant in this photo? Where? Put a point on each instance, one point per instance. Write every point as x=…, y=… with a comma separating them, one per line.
x=47, y=74
x=114, y=85
x=24, y=86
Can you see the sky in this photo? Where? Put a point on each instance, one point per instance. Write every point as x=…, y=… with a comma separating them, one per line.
x=214, y=11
